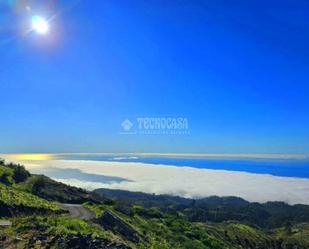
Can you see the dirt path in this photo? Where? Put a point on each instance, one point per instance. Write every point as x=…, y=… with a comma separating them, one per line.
x=5, y=223
x=78, y=211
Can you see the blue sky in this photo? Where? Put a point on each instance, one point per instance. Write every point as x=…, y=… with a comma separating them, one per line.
x=238, y=70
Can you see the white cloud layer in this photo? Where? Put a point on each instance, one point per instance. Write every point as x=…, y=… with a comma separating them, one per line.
x=185, y=181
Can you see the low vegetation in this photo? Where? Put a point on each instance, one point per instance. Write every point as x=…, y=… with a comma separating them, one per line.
x=160, y=230
x=14, y=200
x=14, y=197
x=269, y=215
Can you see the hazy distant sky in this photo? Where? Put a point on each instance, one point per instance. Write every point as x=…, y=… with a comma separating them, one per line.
x=238, y=70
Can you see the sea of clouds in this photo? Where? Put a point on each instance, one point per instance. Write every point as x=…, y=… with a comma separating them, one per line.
x=184, y=181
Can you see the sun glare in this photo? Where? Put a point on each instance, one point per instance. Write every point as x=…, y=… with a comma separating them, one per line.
x=40, y=25
x=29, y=157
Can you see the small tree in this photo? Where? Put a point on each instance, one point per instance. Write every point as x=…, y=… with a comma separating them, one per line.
x=20, y=174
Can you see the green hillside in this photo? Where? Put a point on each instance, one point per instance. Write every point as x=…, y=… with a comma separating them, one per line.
x=158, y=230
x=138, y=221
x=13, y=199
x=268, y=215
x=11, y=196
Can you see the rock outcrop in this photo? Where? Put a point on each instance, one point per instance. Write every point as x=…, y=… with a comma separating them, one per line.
x=42, y=240
x=88, y=242
x=112, y=222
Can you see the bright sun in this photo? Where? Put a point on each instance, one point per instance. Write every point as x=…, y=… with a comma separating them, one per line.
x=40, y=25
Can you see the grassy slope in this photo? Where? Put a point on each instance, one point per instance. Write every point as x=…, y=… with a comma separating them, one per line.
x=42, y=232
x=29, y=230
x=164, y=233
x=15, y=197
x=174, y=231
x=38, y=192
x=299, y=233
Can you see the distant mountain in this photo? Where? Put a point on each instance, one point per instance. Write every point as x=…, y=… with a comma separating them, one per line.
x=215, y=209
x=147, y=200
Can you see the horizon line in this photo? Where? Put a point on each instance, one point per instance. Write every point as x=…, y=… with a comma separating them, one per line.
x=178, y=155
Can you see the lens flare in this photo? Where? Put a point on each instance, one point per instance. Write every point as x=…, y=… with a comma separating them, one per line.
x=40, y=25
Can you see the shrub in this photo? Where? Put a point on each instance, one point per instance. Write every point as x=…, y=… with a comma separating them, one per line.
x=20, y=174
